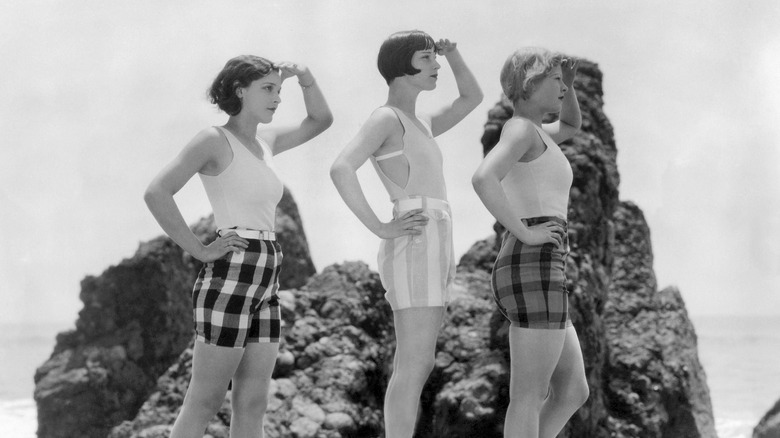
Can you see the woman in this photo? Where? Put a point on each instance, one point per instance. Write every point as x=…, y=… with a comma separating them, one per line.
x=524, y=182
x=235, y=306
x=416, y=263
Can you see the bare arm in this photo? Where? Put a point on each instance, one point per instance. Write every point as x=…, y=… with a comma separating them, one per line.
x=318, y=116
x=570, y=119
x=516, y=139
x=343, y=172
x=470, y=95
x=199, y=154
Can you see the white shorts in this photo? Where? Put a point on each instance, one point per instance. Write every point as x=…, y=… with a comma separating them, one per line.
x=418, y=270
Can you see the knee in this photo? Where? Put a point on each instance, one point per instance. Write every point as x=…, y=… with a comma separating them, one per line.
x=206, y=403
x=251, y=403
x=529, y=396
x=580, y=394
x=574, y=395
x=418, y=367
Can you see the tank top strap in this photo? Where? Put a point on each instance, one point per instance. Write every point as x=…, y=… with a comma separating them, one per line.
x=545, y=137
x=238, y=147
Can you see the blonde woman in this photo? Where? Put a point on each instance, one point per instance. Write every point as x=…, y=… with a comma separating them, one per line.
x=524, y=182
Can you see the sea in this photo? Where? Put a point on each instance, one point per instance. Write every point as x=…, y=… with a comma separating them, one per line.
x=740, y=355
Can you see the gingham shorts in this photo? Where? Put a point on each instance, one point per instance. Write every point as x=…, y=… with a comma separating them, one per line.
x=418, y=270
x=529, y=281
x=235, y=301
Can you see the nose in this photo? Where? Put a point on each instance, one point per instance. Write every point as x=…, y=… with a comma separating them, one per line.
x=564, y=87
x=436, y=64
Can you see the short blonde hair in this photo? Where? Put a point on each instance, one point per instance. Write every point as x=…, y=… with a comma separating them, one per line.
x=524, y=68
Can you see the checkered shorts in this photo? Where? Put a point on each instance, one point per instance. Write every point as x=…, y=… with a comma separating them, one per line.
x=235, y=301
x=529, y=281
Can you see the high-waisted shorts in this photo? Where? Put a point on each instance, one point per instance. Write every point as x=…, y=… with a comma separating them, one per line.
x=529, y=281
x=235, y=301
x=418, y=270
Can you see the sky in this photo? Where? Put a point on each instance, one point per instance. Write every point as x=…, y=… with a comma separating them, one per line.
x=99, y=96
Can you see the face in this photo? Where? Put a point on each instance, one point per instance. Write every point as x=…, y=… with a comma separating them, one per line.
x=549, y=91
x=425, y=61
x=261, y=97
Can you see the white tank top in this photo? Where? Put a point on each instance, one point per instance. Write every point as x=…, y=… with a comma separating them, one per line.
x=424, y=160
x=246, y=193
x=540, y=187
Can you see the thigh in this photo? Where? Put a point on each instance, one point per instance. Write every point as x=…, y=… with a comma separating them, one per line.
x=417, y=328
x=570, y=366
x=212, y=369
x=256, y=366
x=534, y=355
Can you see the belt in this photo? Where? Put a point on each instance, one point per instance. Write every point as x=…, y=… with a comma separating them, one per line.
x=250, y=234
x=422, y=202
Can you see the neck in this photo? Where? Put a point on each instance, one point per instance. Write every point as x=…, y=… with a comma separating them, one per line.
x=242, y=126
x=402, y=96
x=522, y=109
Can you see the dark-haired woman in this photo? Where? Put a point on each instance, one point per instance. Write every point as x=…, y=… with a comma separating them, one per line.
x=415, y=261
x=235, y=303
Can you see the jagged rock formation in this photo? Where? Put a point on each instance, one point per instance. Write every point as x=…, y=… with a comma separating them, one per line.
x=336, y=356
x=769, y=425
x=135, y=323
x=656, y=386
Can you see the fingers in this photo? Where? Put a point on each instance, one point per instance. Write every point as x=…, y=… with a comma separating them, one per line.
x=233, y=242
x=412, y=222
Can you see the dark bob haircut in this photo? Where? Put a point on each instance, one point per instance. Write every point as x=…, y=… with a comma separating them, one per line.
x=238, y=72
x=395, y=55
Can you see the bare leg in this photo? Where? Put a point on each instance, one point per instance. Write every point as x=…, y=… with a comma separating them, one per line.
x=534, y=355
x=568, y=388
x=212, y=368
x=416, y=330
x=249, y=397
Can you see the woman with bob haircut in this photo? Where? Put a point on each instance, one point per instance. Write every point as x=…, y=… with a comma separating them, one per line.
x=416, y=262
x=524, y=182
x=235, y=302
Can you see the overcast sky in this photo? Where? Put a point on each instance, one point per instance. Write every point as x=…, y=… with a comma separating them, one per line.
x=98, y=96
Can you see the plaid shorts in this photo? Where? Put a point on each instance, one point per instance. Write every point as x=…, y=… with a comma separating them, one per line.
x=418, y=270
x=235, y=301
x=529, y=281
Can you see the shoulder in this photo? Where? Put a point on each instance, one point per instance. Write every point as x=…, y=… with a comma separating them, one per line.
x=383, y=120
x=207, y=144
x=518, y=129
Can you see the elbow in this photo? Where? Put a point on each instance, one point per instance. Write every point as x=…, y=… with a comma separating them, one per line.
x=478, y=181
x=150, y=194
x=337, y=169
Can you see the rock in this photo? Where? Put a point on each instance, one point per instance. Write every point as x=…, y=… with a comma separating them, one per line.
x=135, y=323
x=334, y=385
x=769, y=425
x=656, y=383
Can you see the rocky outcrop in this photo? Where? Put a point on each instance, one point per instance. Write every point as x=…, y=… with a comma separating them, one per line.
x=330, y=374
x=656, y=386
x=135, y=323
x=643, y=371
x=769, y=426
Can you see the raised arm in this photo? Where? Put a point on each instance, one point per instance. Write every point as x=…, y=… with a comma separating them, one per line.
x=516, y=139
x=201, y=154
x=318, y=116
x=570, y=118
x=470, y=95
x=343, y=172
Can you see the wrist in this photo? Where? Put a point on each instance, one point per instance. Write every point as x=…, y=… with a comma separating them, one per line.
x=306, y=80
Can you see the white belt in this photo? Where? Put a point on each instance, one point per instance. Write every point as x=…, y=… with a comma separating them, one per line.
x=250, y=234
x=422, y=202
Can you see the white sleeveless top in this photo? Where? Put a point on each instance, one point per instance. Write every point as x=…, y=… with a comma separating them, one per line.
x=422, y=153
x=540, y=187
x=246, y=193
